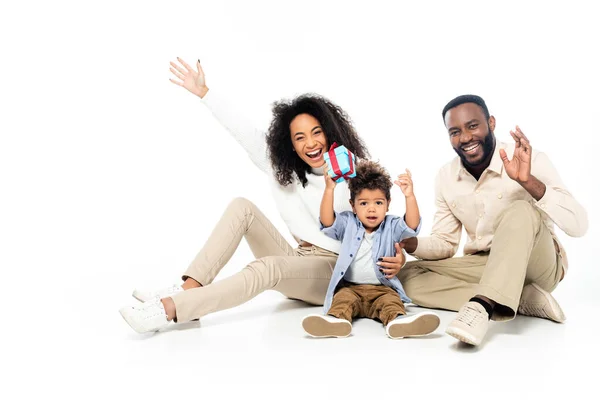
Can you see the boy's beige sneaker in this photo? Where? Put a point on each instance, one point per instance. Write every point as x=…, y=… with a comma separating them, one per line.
x=470, y=325
x=536, y=302
x=420, y=324
x=317, y=325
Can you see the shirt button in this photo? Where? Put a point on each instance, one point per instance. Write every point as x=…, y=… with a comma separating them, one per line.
x=500, y=196
x=357, y=238
x=543, y=206
x=342, y=273
x=478, y=237
x=453, y=204
x=480, y=215
x=477, y=191
x=350, y=255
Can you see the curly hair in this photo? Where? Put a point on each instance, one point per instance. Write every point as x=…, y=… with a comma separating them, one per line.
x=336, y=125
x=370, y=175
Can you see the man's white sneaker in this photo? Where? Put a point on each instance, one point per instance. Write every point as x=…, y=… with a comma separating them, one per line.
x=145, y=295
x=470, y=325
x=536, y=302
x=317, y=325
x=149, y=316
x=420, y=324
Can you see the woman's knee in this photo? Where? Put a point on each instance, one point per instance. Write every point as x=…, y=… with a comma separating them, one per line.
x=241, y=203
x=241, y=208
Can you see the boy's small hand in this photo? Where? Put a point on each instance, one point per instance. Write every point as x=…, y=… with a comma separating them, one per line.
x=404, y=181
x=329, y=182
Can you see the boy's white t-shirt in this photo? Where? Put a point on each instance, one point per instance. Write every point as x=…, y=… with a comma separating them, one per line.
x=362, y=269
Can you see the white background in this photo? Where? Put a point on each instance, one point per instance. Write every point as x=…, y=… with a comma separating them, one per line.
x=112, y=177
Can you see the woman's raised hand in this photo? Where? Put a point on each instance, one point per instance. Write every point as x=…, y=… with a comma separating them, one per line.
x=189, y=78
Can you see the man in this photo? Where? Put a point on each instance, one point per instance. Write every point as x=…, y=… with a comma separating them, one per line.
x=508, y=197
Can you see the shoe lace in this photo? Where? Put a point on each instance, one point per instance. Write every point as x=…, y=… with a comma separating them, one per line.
x=151, y=308
x=470, y=316
x=172, y=289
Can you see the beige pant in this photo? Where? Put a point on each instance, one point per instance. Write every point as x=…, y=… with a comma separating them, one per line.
x=301, y=273
x=523, y=251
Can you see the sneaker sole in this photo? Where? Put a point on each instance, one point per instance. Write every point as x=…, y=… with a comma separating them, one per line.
x=418, y=325
x=316, y=326
x=557, y=313
x=462, y=336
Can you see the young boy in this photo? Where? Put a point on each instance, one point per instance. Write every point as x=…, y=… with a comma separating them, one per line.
x=359, y=287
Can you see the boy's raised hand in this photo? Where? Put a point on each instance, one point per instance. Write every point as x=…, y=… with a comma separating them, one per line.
x=329, y=182
x=404, y=181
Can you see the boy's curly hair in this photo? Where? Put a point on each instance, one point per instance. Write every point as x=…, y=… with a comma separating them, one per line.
x=370, y=175
x=336, y=125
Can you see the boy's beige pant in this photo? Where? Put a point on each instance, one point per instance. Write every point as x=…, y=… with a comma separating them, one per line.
x=523, y=251
x=301, y=273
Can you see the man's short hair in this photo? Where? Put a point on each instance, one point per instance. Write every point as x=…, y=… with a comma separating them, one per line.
x=466, y=98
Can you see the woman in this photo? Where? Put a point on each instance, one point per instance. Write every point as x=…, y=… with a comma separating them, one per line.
x=300, y=133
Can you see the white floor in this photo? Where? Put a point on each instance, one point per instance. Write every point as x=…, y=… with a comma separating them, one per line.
x=261, y=349
x=78, y=346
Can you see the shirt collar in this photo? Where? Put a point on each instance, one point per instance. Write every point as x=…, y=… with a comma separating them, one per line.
x=458, y=168
x=496, y=163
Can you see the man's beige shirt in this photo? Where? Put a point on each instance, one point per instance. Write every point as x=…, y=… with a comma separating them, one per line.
x=463, y=201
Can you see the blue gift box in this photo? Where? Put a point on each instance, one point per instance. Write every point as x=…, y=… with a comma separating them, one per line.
x=345, y=162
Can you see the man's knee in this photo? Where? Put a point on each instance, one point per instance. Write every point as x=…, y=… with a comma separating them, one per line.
x=517, y=212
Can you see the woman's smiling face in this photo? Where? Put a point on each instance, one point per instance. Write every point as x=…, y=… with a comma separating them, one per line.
x=308, y=139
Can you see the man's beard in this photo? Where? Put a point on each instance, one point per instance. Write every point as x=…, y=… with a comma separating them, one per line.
x=488, y=148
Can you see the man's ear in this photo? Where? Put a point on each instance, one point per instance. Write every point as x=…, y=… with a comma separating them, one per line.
x=492, y=123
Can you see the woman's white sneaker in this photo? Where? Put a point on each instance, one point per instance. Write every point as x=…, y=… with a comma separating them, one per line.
x=149, y=316
x=145, y=295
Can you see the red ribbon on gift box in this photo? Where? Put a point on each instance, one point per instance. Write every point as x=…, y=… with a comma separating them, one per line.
x=336, y=167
